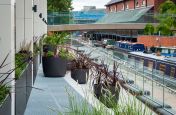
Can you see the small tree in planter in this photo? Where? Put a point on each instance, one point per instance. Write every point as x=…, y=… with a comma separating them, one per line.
x=51, y=42
x=55, y=62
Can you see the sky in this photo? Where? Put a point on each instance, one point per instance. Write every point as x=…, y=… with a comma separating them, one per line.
x=78, y=4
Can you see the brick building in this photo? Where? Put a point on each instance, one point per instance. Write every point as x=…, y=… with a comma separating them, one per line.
x=133, y=11
x=163, y=41
x=140, y=11
x=121, y=5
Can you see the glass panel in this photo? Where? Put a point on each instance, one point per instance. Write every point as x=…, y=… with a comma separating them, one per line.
x=172, y=73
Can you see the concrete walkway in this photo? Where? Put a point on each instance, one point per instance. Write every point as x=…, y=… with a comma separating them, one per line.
x=51, y=96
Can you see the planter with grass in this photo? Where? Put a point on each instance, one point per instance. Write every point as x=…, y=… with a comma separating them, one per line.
x=5, y=101
x=80, y=75
x=23, y=76
x=80, y=69
x=55, y=65
x=23, y=84
x=106, y=85
x=55, y=62
x=36, y=62
x=5, y=87
x=35, y=67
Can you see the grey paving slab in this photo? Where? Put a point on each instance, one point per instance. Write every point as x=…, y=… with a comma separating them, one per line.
x=50, y=97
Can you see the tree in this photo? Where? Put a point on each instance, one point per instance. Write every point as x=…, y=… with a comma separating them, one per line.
x=149, y=29
x=59, y=5
x=60, y=11
x=167, y=18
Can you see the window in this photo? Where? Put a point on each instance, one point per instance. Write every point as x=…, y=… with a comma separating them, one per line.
x=123, y=7
x=115, y=9
x=111, y=9
x=141, y=64
x=150, y=65
x=172, y=72
x=164, y=51
x=137, y=3
x=143, y=2
x=127, y=7
x=162, y=68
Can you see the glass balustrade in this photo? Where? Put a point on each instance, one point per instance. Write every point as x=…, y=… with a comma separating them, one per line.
x=162, y=87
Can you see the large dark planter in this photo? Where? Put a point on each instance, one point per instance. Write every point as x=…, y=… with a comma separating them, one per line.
x=80, y=75
x=54, y=66
x=35, y=67
x=20, y=94
x=5, y=107
x=47, y=48
x=70, y=65
x=102, y=93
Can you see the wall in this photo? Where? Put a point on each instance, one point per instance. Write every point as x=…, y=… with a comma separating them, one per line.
x=24, y=22
x=40, y=27
x=157, y=4
x=130, y=4
x=17, y=25
x=113, y=8
x=120, y=6
x=7, y=39
x=150, y=2
x=150, y=41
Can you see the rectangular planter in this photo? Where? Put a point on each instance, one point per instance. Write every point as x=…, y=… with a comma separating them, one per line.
x=80, y=75
x=28, y=80
x=35, y=67
x=20, y=94
x=5, y=107
x=23, y=88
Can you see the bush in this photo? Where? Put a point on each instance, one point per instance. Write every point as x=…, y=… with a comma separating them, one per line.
x=4, y=90
x=21, y=60
x=149, y=29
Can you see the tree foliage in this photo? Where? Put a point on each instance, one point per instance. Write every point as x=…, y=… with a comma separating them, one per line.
x=167, y=18
x=149, y=29
x=59, y=5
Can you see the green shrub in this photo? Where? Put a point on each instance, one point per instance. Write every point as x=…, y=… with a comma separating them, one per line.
x=149, y=29
x=64, y=54
x=50, y=54
x=127, y=106
x=21, y=60
x=4, y=90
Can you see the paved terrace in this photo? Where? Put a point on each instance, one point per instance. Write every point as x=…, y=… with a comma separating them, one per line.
x=51, y=96
x=114, y=26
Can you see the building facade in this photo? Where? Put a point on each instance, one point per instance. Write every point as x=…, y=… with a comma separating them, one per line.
x=130, y=11
x=20, y=22
x=121, y=5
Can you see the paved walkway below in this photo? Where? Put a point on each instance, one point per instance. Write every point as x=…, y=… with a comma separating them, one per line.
x=51, y=95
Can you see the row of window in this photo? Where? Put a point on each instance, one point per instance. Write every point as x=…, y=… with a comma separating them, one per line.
x=150, y=64
x=162, y=68
x=114, y=9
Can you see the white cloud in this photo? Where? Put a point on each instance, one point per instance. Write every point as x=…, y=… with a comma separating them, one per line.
x=78, y=4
